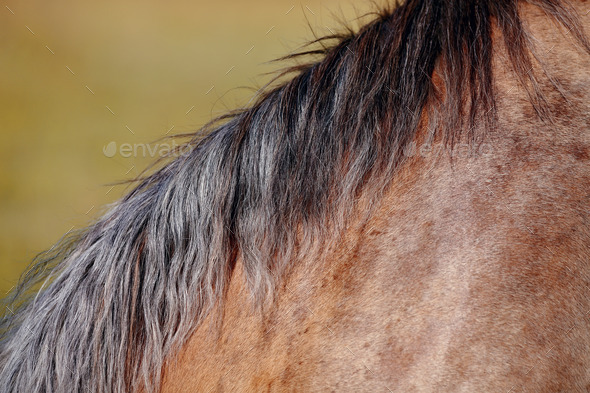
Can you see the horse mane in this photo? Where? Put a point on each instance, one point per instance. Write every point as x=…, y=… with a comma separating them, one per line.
x=267, y=182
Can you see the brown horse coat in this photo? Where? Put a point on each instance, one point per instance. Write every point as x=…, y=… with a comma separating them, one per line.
x=471, y=275
x=409, y=213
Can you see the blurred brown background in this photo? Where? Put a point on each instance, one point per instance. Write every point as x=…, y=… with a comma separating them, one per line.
x=86, y=85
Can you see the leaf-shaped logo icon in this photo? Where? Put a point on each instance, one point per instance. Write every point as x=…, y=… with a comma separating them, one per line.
x=110, y=149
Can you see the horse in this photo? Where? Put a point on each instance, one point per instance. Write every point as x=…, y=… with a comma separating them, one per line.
x=408, y=212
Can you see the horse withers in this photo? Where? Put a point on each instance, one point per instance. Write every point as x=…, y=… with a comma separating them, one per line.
x=411, y=213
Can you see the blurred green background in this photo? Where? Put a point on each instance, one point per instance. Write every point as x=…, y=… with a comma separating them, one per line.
x=80, y=79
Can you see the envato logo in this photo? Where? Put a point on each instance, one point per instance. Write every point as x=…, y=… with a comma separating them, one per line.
x=456, y=150
x=173, y=149
x=127, y=150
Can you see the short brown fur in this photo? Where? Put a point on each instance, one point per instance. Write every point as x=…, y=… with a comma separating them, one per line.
x=471, y=276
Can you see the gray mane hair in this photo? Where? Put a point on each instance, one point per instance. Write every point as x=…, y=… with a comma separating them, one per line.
x=123, y=295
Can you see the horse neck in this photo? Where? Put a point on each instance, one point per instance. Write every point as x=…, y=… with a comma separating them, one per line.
x=477, y=263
